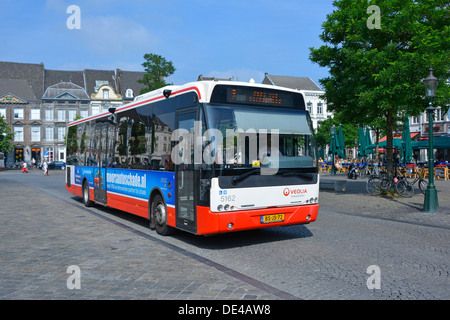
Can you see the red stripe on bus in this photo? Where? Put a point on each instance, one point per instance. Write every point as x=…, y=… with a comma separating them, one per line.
x=124, y=203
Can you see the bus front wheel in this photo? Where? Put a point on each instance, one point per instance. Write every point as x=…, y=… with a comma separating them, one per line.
x=159, y=217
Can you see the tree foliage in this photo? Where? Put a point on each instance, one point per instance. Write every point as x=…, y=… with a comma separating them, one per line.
x=375, y=75
x=323, y=134
x=6, y=136
x=157, y=68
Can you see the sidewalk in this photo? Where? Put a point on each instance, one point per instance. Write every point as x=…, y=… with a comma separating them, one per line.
x=356, y=200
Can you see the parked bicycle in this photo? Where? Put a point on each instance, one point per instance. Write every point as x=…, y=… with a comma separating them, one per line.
x=373, y=185
x=377, y=184
x=367, y=170
x=406, y=188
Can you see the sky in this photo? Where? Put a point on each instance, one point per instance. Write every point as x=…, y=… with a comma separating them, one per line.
x=242, y=39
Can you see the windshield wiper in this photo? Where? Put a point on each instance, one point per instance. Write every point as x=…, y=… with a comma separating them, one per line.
x=241, y=177
x=309, y=176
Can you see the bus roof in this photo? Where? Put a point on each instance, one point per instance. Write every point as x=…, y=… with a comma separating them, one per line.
x=204, y=90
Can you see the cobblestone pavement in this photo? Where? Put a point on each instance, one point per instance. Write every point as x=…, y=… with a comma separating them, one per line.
x=42, y=236
x=44, y=230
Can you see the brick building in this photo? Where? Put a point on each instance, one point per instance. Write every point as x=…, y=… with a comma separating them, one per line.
x=38, y=104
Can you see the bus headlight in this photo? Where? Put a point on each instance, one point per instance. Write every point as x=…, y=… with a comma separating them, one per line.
x=219, y=207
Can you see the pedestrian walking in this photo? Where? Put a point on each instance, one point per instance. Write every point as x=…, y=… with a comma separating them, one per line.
x=45, y=167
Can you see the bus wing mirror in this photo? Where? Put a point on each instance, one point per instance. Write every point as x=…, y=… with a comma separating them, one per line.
x=167, y=93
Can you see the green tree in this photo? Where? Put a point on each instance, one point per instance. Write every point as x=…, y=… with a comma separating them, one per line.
x=6, y=136
x=157, y=68
x=323, y=134
x=377, y=72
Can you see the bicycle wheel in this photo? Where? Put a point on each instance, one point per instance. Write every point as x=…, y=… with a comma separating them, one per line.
x=361, y=173
x=404, y=188
x=423, y=184
x=385, y=184
x=373, y=186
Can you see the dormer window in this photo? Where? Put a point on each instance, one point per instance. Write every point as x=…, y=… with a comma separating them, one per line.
x=129, y=93
x=105, y=94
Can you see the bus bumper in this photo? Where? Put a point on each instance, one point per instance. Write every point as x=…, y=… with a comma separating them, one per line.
x=220, y=222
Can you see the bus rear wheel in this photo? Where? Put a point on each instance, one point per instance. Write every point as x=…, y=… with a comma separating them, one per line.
x=159, y=217
x=87, y=202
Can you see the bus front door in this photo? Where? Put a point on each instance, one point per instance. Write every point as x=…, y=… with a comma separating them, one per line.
x=100, y=170
x=184, y=173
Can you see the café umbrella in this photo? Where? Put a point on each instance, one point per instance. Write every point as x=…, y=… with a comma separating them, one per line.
x=362, y=142
x=406, y=142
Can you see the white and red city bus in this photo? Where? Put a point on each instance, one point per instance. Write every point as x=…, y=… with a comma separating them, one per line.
x=2, y=161
x=207, y=157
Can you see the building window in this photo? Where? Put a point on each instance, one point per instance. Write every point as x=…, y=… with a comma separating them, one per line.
x=49, y=133
x=49, y=115
x=129, y=93
x=309, y=107
x=319, y=108
x=61, y=133
x=35, y=114
x=62, y=115
x=105, y=94
x=50, y=154
x=18, y=133
x=440, y=115
x=84, y=113
x=72, y=114
x=35, y=133
x=3, y=112
x=95, y=108
x=18, y=114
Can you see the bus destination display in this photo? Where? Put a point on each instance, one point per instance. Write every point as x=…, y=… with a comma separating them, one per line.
x=259, y=97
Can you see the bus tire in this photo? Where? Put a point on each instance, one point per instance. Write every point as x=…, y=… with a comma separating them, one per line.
x=86, y=198
x=159, y=217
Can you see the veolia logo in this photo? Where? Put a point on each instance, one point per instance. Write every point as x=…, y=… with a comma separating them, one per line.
x=288, y=191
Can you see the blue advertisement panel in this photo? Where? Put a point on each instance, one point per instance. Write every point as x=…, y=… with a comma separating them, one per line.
x=128, y=182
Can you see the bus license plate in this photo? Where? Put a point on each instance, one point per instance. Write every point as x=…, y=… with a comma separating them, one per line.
x=272, y=218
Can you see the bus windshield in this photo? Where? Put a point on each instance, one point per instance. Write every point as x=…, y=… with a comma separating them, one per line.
x=242, y=136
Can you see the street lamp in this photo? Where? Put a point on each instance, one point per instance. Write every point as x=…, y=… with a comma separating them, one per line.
x=333, y=148
x=431, y=204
